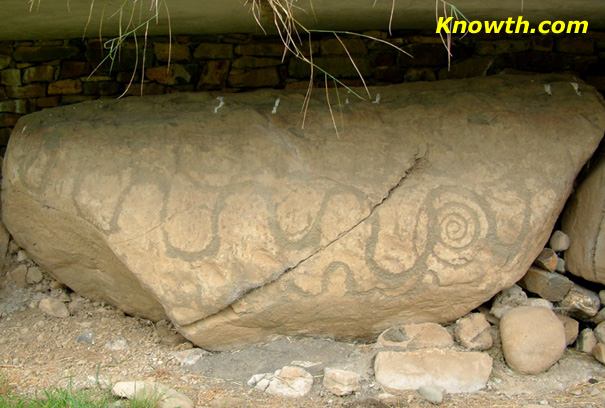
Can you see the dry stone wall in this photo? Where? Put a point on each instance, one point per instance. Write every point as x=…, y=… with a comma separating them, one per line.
x=37, y=75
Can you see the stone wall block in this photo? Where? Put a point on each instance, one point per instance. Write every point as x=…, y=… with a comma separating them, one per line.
x=502, y=46
x=48, y=102
x=261, y=49
x=575, y=45
x=21, y=106
x=340, y=67
x=27, y=91
x=10, y=77
x=65, y=87
x=467, y=68
x=423, y=54
x=45, y=53
x=173, y=52
x=3, y=94
x=8, y=119
x=214, y=75
x=256, y=62
x=169, y=75
x=209, y=51
x=43, y=73
x=5, y=61
x=128, y=57
x=255, y=78
x=333, y=46
x=74, y=69
x=102, y=88
x=542, y=43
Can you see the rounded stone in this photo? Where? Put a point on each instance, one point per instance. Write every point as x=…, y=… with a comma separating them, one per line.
x=533, y=339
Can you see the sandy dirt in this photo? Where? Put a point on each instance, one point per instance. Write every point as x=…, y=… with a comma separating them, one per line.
x=39, y=351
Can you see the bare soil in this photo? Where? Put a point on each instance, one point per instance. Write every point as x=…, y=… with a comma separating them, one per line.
x=38, y=351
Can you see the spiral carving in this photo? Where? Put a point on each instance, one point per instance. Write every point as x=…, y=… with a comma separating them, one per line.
x=457, y=226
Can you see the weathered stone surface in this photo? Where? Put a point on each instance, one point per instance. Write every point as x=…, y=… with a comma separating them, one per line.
x=413, y=336
x=341, y=382
x=53, y=307
x=599, y=332
x=580, y=302
x=551, y=286
x=335, y=46
x=599, y=352
x=34, y=275
x=576, y=45
x=18, y=274
x=254, y=78
x=455, y=371
x=571, y=327
x=10, y=77
x=166, y=396
x=432, y=393
x=547, y=260
x=472, y=331
x=586, y=341
x=161, y=206
x=508, y=299
x=5, y=61
x=65, y=87
x=42, y=73
x=39, y=54
x=559, y=241
x=533, y=339
x=291, y=382
x=173, y=52
x=214, y=51
x=584, y=222
x=175, y=74
x=214, y=75
x=502, y=46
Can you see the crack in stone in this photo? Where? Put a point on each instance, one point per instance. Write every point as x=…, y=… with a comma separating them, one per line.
x=419, y=160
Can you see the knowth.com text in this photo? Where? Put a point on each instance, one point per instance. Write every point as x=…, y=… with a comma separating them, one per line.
x=510, y=26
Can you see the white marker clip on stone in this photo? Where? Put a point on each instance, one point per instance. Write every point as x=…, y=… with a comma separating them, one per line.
x=221, y=103
x=547, y=89
x=274, y=111
x=576, y=87
x=377, y=98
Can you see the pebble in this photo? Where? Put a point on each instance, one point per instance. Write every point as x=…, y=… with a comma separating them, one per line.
x=86, y=336
x=53, y=307
x=22, y=256
x=473, y=332
x=168, y=398
x=586, y=341
x=507, y=300
x=119, y=343
x=533, y=339
x=580, y=302
x=561, y=268
x=432, y=393
x=341, y=382
x=18, y=275
x=599, y=317
x=599, y=352
x=599, y=332
x=292, y=382
x=34, y=275
x=559, y=241
x=548, y=285
x=189, y=357
x=547, y=260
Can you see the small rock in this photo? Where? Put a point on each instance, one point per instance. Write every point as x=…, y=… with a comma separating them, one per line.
x=60, y=294
x=388, y=399
x=507, y=300
x=19, y=275
x=599, y=332
x=22, y=256
x=341, y=382
x=415, y=336
x=86, y=337
x=119, y=343
x=173, y=339
x=13, y=247
x=539, y=302
x=548, y=285
x=547, y=260
x=561, y=268
x=53, y=307
x=455, y=371
x=599, y=317
x=571, y=327
x=55, y=284
x=473, y=332
x=191, y=356
x=533, y=339
x=586, y=341
x=34, y=275
x=559, y=241
x=602, y=296
x=289, y=381
x=599, y=352
x=167, y=397
x=580, y=302
x=432, y=393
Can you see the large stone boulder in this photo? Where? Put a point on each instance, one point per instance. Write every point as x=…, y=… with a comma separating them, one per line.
x=584, y=222
x=224, y=214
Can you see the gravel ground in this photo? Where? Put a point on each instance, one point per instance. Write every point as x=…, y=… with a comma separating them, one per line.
x=38, y=351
